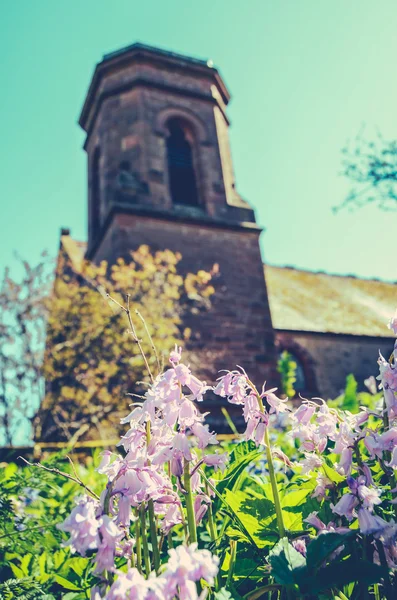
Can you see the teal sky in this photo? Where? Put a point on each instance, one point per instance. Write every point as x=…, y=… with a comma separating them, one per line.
x=304, y=76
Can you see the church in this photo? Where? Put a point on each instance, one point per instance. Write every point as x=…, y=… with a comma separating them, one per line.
x=160, y=173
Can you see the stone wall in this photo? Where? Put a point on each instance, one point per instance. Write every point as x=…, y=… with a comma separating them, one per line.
x=328, y=358
x=237, y=329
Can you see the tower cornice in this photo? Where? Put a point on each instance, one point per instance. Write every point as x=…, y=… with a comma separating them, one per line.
x=201, y=220
x=141, y=53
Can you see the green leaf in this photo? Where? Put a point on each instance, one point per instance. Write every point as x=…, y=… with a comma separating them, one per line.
x=42, y=563
x=243, y=454
x=322, y=546
x=230, y=509
x=255, y=514
x=295, y=497
x=78, y=565
x=223, y=594
x=350, y=400
x=59, y=558
x=287, y=563
x=340, y=573
x=67, y=585
x=17, y=571
x=332, y=474
x=25, y=562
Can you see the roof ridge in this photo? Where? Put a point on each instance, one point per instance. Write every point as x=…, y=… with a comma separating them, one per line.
x=341, y=275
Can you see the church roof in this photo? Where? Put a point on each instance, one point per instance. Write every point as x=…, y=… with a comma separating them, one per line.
x=319, y=302
x=308, y=301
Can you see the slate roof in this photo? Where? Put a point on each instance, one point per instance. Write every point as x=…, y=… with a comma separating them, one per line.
x=308, y=301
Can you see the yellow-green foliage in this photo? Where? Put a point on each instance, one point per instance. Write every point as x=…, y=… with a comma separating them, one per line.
x=91, y=361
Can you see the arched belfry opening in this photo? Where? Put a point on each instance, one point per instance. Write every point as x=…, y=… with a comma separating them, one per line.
x=181, y=165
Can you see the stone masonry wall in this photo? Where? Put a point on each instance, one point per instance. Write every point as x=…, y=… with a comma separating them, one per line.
x=237, y=330
x=331, y=357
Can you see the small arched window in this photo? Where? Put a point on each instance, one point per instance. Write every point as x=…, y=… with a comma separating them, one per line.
x=300, y=384
x=287, y=360
x=96, y=193
x=181, y=172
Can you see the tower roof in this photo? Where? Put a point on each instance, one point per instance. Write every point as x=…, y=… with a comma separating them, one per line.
x=142, y=53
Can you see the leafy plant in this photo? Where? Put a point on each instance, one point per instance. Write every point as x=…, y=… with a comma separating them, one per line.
x=301, y=513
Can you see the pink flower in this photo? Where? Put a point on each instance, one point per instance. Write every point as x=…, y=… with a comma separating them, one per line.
x=326, y=420
x=304, y=413
x=83, y=526
x=369, y=496
x=182, y=446
x=321, y=527
x=218, y=461
x=129, y=586
x=197, y=388
x=188, y=414
x=310, y=439
x=393, y=324
x=370, y=523
x=110, y=536
x=256, y=429
x=184, y=376
x=187, y=565
x=251, y=408
x=367, y=474
x=276, y=404
x=232, y=386
x=314, y=520
x=300, y=546
x=108, y=468
x=323, y=483
x=388, y=439
x=345, y=506
x=201, y=503
x=171, y=517
x=175, y=355
x=388, y=378
x=344, y=437
x=371, y=384
x=124, y=511
x=393, y=460
x=311, y=462
x=345, y=463
x=203, y=435
x=134, y=438
x=373, y=445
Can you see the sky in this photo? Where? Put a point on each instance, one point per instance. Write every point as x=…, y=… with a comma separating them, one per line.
x=304, y=76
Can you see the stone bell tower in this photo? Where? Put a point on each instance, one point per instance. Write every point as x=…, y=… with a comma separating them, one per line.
x=160, y=173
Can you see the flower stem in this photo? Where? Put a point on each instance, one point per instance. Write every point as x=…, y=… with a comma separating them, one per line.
x=191, y=521
x=146, y=558
x=170, y=541
x=211, y=524
x=273, y=483
x=213, y=536
x=138, y=545
x=272, y=476
x=153, y=536
x=233, y=554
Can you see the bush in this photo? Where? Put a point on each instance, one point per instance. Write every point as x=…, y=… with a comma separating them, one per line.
x=303, y=506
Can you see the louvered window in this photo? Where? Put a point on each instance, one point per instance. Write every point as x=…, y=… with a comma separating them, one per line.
x=182, y=178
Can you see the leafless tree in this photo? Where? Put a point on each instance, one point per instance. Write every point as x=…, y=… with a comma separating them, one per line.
x=23, y=310
x=371, y=166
